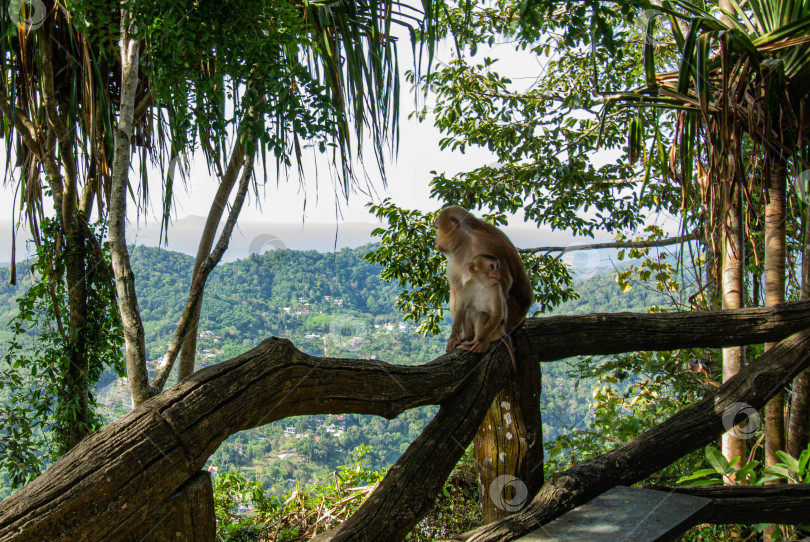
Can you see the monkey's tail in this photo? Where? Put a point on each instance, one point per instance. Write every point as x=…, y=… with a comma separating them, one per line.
x=510, y=345
x=511, y=351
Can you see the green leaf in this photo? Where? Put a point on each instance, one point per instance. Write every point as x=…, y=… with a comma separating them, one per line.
x=779, y=471
x=697, y=474
x=716, y=460
x=804, y=458
x=649, y=52
x=790, y=462
x=687, y=69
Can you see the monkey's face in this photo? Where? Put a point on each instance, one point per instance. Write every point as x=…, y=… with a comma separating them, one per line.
x=492, y=270
x=446, y=232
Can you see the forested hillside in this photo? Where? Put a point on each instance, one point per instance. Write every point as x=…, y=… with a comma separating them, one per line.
x=327, y=304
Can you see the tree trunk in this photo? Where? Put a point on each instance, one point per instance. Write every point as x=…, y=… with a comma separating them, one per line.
x=194, y=300
x=733, y=283
x=733, y=289
x=508, y=447
x=799, y=427
x=124, y=277
x=775, y=254
x=799, y=430
x=76, y=381
x=227, y=182
x=119, y=475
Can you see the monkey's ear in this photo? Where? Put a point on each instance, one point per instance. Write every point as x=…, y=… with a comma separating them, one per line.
x=471, y=267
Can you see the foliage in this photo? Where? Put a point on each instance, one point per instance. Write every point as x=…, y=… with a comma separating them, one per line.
x=244, y=512
x=406, y=254
x=634, y=391
x=219, y=69
x=720, y=471
x=457, y=509
x=757, y=54
x=297, y=516
x=790, y=469
x=543, y=140
x=34, y=417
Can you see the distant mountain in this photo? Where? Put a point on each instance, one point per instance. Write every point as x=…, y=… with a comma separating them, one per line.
x=257, y=237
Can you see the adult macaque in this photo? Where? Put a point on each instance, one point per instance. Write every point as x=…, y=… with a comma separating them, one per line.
x=460, y=236
x=480, y=313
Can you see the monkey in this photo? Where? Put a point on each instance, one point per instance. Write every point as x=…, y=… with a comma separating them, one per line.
x=480, y=313
x=460, y=236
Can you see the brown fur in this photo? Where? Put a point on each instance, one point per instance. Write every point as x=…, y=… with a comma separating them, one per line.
x=481, y=311
x=460, y=236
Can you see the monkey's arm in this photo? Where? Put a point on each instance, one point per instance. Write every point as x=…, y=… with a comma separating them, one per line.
x=457, y=312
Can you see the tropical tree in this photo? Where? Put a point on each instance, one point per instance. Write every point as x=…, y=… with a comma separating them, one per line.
x=57, y=142
x=260, y=82
x=741, y=91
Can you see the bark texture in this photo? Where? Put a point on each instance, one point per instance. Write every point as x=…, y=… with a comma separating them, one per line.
x=558, y=337
x=799, y=424
x=799, y=429
x=733, y=298
x=785, y=504
x=509, y=443
x=775, y=254
x=187, y=515
x=135, y=347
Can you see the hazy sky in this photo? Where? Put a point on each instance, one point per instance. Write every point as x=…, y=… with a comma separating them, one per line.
x=282, y=207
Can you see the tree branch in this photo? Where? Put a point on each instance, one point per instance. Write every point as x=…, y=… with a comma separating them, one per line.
x=784, y=504
x=558, y=337
x=616, y=244
x=120, y=474
x=141, y=109
x=226, y=184
x=409, y=490
x=194, y=300
x=27, y=131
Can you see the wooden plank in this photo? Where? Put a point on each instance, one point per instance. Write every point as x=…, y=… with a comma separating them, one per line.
x=628, y=514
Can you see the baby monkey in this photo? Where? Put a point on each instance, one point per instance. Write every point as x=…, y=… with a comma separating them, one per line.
x=480, y=315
